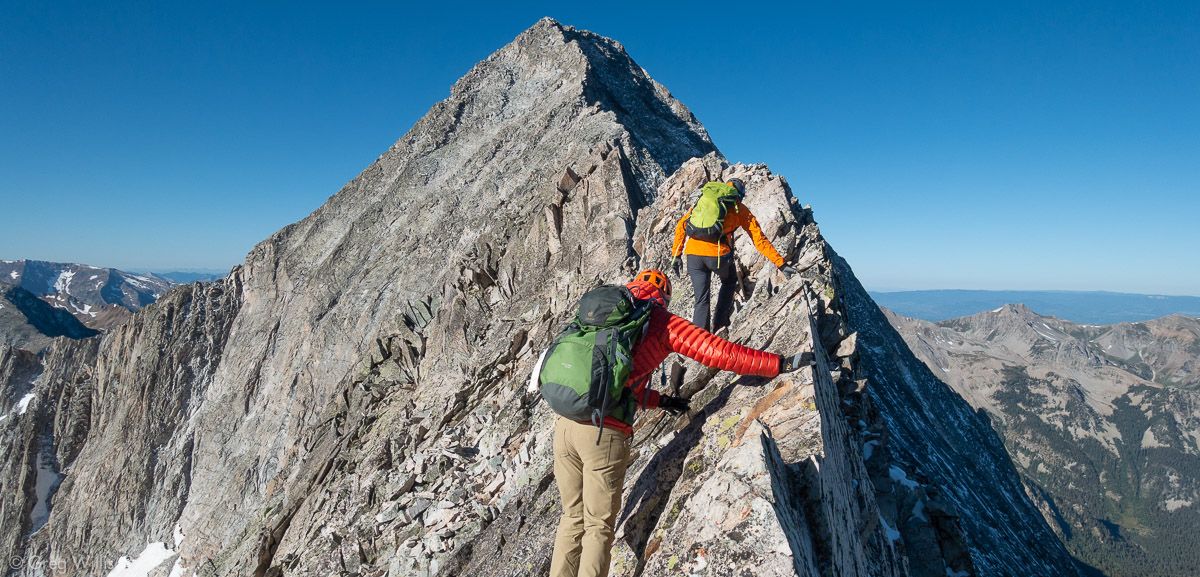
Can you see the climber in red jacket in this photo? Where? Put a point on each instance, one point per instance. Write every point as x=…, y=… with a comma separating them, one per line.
x=590, y=472
x=668, y=333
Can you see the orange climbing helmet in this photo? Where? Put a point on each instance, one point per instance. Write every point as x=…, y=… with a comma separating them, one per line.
x=651, y=277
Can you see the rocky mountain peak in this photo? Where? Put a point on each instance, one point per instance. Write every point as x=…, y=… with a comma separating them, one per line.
x=353, y=399
x=1016, y=309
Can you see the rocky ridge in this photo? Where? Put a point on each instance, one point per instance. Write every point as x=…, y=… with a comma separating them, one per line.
x=1100, y=419
x=352, y=399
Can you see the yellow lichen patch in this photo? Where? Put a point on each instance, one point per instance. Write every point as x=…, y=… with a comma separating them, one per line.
x=729, y=422
x=673, y=515
x=725, y=430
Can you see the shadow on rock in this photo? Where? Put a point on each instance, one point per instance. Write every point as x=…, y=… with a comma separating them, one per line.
x=658, y=478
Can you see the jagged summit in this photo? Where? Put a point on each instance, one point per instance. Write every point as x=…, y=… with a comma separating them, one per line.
x=351, y=400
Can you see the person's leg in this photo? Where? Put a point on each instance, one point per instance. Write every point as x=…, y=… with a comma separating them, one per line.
x=568, y=474
x=603, y=480
x=698, y=271
x=727, y=272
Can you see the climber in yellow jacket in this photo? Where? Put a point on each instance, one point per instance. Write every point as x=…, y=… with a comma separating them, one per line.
x=707, y=242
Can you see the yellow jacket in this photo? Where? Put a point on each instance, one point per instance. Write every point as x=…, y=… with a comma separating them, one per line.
x=738, y=217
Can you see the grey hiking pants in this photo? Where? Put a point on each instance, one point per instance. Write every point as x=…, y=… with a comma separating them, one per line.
x=699, y=270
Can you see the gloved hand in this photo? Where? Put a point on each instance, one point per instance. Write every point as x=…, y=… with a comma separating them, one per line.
x=788, y=364
x=674, y=405
x=675, y=264
x=788, y=270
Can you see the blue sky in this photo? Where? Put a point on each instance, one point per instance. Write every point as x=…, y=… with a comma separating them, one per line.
x=1039, y=145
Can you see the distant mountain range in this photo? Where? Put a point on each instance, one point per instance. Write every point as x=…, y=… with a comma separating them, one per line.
x=1102, y=421
x=186, y=277
x=40, y=300
x=1076, y=306
x=29, y=322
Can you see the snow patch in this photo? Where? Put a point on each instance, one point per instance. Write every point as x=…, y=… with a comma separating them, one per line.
x=148, y=560
x=1050, y=337
x=47, y=482
x=151, y=558
x=86, y=310
x=892, y=534
x=141, y=282
x=919, y=511
x=14, y=274
x=997, y=310
x=63, y=283
x=93, y=277
x=869, y=449
x=23, y=404
x=898, y=475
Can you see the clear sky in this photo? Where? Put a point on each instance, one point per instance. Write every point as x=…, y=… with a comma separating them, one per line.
x=1019, y=145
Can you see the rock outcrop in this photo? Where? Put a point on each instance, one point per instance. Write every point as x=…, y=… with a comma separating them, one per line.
x=1110, y=456
x=352, y=400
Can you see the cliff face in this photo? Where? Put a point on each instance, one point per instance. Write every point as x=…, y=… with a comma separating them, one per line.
x=352, y=399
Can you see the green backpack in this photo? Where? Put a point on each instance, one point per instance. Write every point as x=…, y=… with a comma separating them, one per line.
x=707, y=221
x=584, y=371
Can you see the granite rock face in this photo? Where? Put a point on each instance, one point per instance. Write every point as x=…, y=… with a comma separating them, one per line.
x=353, y=399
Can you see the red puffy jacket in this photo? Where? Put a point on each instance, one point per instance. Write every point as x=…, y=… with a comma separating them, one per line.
x=668, y=334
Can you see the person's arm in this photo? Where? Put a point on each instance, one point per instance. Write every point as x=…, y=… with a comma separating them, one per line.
x=710, y=350
x=680, y=235
x=750, y=225
x=644, y=396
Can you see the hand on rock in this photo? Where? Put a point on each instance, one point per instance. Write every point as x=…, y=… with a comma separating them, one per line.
x=674, y=405
x=788, y=270
x=788, y=364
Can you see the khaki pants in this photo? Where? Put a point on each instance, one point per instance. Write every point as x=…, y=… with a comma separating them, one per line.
x=590, y=478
